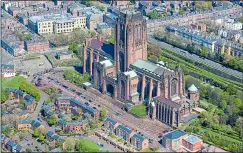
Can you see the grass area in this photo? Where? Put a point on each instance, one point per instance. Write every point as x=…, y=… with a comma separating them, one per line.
x=140, y=110
x=87, y=146
x=192, y=69
x=12, y=82
x=64, y=63
x=148, y=150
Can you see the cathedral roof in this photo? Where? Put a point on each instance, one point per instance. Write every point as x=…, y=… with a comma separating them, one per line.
x=163, y=100
x=192, y=88
x=150, y=67
x=107, y=48
x=106, y=63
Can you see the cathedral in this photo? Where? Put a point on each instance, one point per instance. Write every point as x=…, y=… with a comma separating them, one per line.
x=123, y=71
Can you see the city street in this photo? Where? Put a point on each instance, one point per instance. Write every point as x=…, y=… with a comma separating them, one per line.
x=205, y=61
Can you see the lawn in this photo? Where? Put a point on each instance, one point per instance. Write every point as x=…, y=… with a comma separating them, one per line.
x=87, y=146
x=148, y=150
x=140, y=110
x=12, y=83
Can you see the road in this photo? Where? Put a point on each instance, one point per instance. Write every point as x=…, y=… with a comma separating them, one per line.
x=198, y=58
x=148, y=127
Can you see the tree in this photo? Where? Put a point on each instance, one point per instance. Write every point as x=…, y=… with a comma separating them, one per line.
x=36, y=133
x=73, y=47
x=204, y=51
x=41, y=137
x=239, y=125
x=92, y=123
x=70, y=144
x=4, y=96
x=103, y=113
x=52, y=120
x=7, y=131
x=154, y=15
x=46, y=149
x=223, y=104
x=203, y=5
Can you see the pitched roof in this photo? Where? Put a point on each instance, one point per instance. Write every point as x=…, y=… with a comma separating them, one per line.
x=113, y=122
x=139, y=137
x=10, y=143
x=174, y=134
x=126, y=129
x=150, y=67
x=62, y=122
x=107, y=48
x=162, y=99
x=192, y=88
x=49, y=133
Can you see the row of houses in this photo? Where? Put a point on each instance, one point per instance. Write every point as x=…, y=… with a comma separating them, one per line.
x=27, y=124
x=30, y=102
x=54, y=139
x=137, y=140
x=11, y=145
x=215, y=44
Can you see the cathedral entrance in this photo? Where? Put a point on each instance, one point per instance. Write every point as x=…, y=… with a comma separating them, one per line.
x=110, y=90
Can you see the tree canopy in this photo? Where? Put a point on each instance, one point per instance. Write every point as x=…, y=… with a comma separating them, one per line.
x=87, y=146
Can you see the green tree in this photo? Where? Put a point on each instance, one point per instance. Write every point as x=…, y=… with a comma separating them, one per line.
x=92, y=123
x=103, y=113
x=73, y=47
x=154, y=15
x=41, y=137
x=36, y=133
x=4, y=96
x=6, y=131
x=52, y=120
x=46, y=149
x=67, y=118
x=204, y=51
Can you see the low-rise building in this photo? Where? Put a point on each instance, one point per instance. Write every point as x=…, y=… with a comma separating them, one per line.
x=30, y=103
x=36, y=45
x=23, y=115
x=77, y=127
x=124, y=132
x=110, y=124
x=10, y=145
x=172, y=140
x=94, y=17
x=53, y=139
x=192, y=143
x=56, y=23
x=232, y=25
x=8, y=70
x=140, y=142
x=27, y=124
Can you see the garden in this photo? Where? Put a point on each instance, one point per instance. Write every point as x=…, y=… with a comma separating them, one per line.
x=139, y=110
x=76, y=77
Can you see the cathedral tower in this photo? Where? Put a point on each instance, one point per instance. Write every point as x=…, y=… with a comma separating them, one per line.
x=130, y=39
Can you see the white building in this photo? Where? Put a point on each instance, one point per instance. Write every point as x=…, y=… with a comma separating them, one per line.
x=232, y=25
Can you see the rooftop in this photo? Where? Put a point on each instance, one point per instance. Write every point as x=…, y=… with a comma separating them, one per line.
x=150, y=67
x=113, y=122
x=193, y=88
x=126, y=129
x=139, y=136
x=167, y=102
x=174, y=134
x=107, y=48
x=192, y=139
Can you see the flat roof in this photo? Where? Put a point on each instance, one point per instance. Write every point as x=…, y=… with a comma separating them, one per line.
x=192, y=139
x=174, y=134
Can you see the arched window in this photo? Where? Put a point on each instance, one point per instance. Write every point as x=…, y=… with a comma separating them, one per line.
x=173, y=87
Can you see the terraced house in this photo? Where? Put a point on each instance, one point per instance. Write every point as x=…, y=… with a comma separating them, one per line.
x=137, y=140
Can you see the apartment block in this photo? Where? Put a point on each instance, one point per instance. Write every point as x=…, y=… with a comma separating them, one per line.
x=56, y=23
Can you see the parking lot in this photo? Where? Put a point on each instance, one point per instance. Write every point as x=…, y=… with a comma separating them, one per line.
x=31, y=143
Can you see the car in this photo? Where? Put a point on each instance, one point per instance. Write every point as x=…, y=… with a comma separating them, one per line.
x=78, y=93
x=28, y=144
x=98, y=105
x=151, y=140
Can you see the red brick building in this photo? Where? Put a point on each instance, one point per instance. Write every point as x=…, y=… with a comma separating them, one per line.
x=199, y=27
x=192, y=143
x=35, y=46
